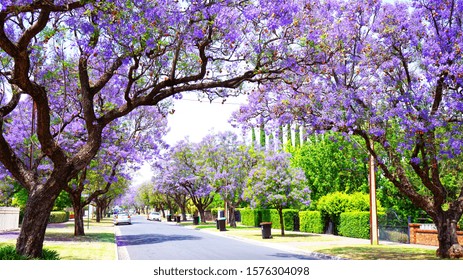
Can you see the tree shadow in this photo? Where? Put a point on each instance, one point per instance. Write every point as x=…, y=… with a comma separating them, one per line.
x=293, y=256
x=144, y=239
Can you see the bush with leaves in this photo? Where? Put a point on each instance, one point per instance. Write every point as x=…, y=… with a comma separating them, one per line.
x=332, y=205
x=8, y=252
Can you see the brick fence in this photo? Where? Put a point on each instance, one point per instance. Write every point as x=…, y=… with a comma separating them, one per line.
x=427, y=236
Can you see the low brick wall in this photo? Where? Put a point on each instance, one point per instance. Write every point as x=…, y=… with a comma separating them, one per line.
x=427, y=236
x=9, y=218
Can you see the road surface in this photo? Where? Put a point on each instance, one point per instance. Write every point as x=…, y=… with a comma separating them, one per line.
x=149, y=240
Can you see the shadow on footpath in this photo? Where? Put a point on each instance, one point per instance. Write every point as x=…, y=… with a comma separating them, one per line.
x=141, y=239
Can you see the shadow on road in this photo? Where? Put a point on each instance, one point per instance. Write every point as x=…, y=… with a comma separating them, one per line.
x=292, y=256
x=141, y=239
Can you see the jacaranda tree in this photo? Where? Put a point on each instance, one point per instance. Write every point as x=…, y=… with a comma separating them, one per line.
x=69, y=68
x=391, y=74
x=274, y=183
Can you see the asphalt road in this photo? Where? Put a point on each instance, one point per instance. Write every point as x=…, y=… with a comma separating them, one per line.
x=149, y=240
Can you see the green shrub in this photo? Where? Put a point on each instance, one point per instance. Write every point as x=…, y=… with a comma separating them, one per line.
x=333, y=204
x=354, y=224
x=58, y=217
x=311, y=221
x=271, y=215
x=289, y=216
x=265, y=215
x=8, y=252
x=251, y=217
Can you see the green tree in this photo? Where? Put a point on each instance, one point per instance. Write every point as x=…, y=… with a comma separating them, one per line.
x=331, y=164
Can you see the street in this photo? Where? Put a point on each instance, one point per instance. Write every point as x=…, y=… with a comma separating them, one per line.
x=149, y=240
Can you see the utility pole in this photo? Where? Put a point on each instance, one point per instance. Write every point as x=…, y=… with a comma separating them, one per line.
x=373, y=208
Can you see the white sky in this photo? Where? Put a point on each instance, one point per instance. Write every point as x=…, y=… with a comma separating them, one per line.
x=194, y=119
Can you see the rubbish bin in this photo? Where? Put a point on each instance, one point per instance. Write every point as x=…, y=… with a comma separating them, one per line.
x=169, y=217
x=221, y=224
x=178, y=219
x=196, y=220
x=266, y=230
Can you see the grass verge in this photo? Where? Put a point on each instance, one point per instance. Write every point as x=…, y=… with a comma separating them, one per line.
x=97, y=244
x=380, y=252
x=356, y=249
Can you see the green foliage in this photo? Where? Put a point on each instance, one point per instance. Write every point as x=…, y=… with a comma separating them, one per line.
x=262, y=135
x=289, y=216
x=20, y=198
x=397, y=204
x=63, y=201
x=311, y=221
x=331, y=164
x=334, y=204
x=8, y=252
x=251, y=217
x=58, y=217
x=354, y=224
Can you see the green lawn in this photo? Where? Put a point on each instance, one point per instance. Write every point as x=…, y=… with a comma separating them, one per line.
x=97, y=244
x=330, y=244
x=380, y=252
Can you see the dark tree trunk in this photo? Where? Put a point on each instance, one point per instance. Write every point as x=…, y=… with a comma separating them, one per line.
x=447, y=236
x=98, y=213
x=231, y=216
x=202, y=215
x=282, y=223
x=78, y=213
x=36, y=215
x=79, y=229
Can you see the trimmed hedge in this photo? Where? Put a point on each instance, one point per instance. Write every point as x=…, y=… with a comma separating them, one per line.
x=253, y=217
x=289, y=217
x=58, y=217
x=356, y=224
x=311, y=221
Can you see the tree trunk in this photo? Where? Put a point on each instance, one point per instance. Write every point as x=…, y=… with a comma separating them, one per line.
x=36, y=215
x=78, y=214
x=282, y=223
x=98, y=213
x=79, y=229
x=202, y=214
x=448, y=239
x=183, y=213
x=231, y=216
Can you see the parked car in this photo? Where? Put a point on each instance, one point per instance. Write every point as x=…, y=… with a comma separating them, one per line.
x=154, y=216
x=122, y=218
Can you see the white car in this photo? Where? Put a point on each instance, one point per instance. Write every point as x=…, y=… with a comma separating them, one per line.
x=154, y=216
x=122, y=218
